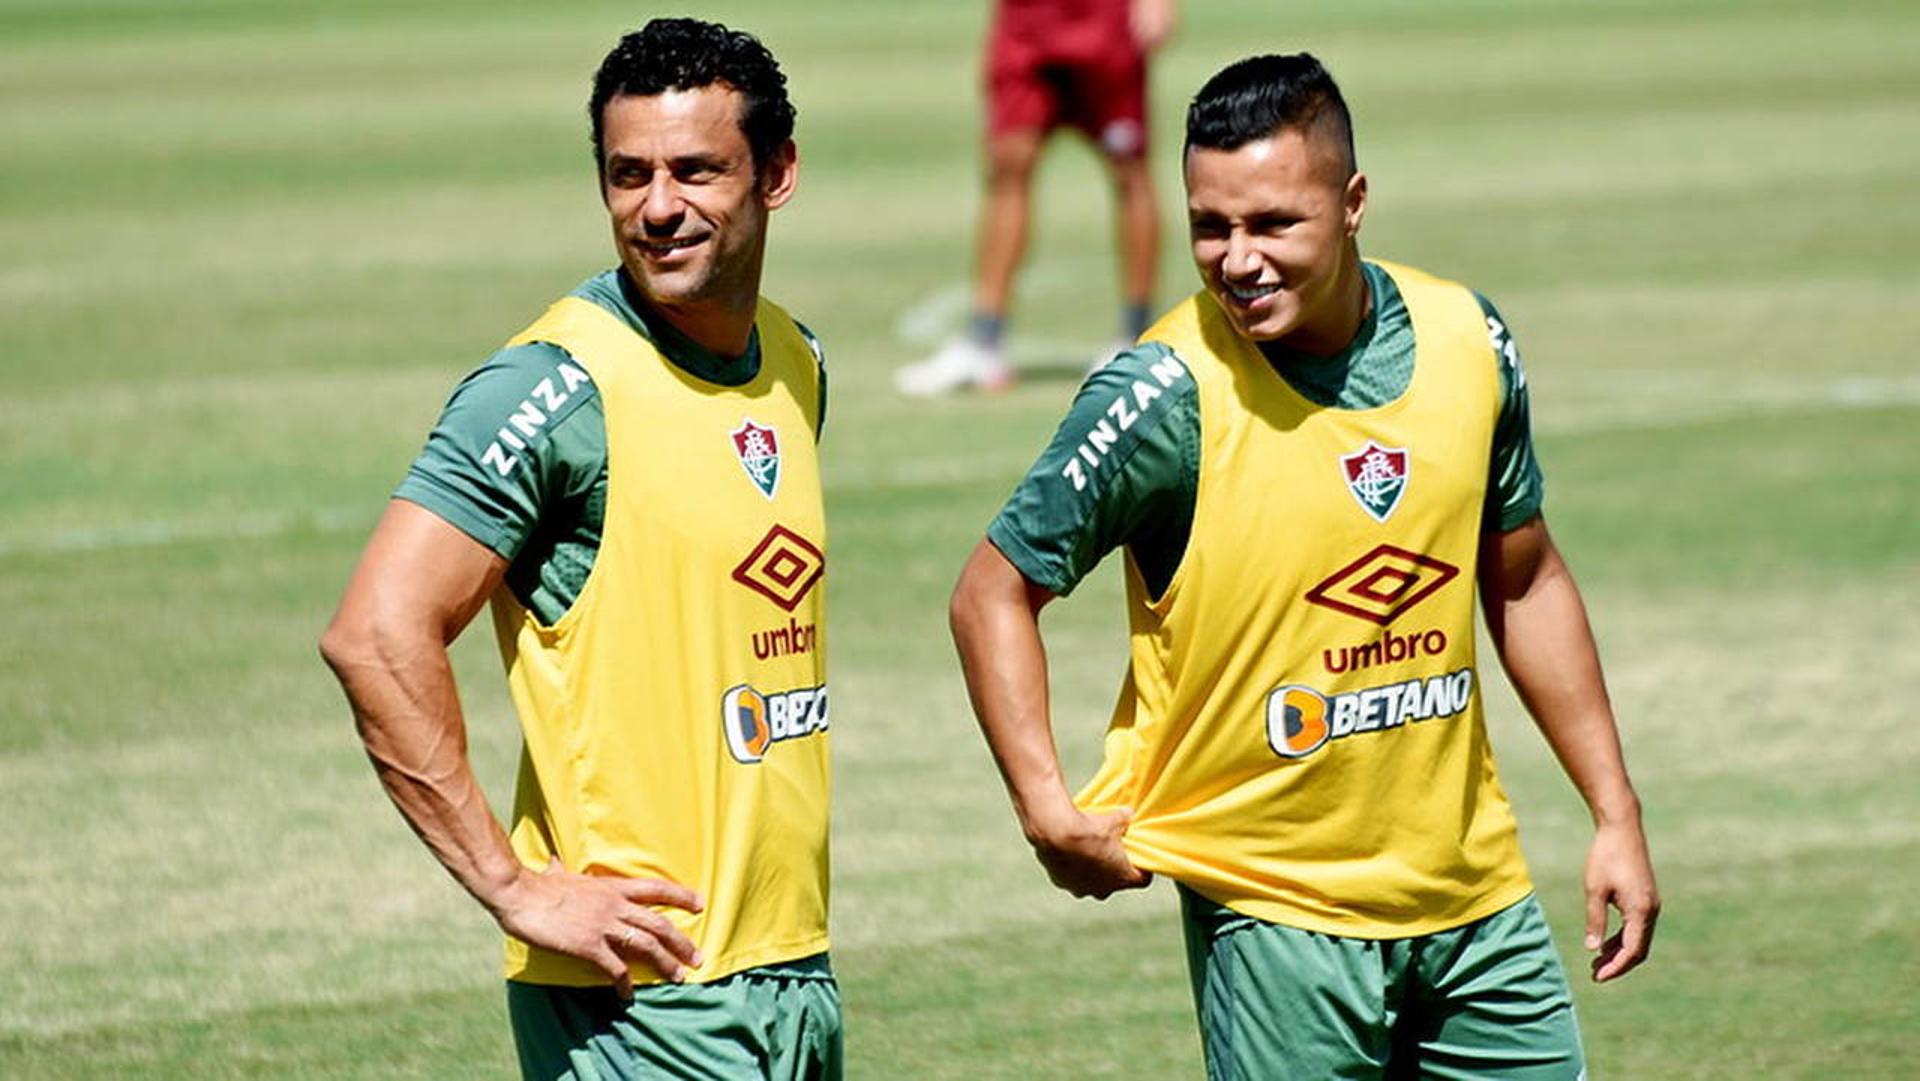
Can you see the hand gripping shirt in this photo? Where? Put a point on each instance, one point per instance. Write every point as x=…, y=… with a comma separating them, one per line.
x=674, y=705
x=1299, y=734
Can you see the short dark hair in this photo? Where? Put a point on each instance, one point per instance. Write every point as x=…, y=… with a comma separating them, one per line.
x=1261, y=96
x=687, y=54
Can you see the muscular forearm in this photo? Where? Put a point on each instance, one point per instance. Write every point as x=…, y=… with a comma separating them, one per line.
x=995, y=627
x=403, y=698
x=408, y=714
x=418, y=584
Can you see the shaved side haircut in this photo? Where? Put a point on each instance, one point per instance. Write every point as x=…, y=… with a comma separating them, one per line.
x=1261, y=96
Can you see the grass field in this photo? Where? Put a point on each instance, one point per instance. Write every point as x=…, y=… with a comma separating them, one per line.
x=246, y=248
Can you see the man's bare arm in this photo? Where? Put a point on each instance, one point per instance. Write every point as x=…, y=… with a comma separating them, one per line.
x=418, y=584
x=995, y=618
x=1538, y=624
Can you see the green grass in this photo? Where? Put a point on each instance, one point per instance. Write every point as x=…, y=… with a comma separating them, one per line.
x=246, y=248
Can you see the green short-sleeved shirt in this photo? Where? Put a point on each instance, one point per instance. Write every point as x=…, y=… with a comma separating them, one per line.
x=534, y=490
x=1143, y=494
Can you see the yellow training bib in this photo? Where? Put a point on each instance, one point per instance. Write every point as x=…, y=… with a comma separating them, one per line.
x=1300, y=736
x=676, y=716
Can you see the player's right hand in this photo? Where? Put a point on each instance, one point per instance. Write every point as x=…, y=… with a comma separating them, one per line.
x=609, y=922
x=1083, y=854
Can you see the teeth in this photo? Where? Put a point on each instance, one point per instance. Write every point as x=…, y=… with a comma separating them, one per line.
x=672, y=245
x=1252, y=292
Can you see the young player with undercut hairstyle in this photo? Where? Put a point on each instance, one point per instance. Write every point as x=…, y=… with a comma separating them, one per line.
x=632, y=483
x=1312, y=466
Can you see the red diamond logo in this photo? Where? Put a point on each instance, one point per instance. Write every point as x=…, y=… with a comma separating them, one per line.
x=783, y=567
x=1380, y=585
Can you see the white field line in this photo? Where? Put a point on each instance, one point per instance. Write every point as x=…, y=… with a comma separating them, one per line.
x=942, y=313
x=932, y=317
x=1663, y=399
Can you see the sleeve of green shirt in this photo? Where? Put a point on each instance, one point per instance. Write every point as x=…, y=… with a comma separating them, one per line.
x=820, y=365
x=1515, y=488
x=1121, y=469
x=504, y=448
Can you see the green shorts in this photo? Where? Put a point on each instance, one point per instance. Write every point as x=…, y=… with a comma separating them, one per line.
x=1483, y=1002
x=773, y=1023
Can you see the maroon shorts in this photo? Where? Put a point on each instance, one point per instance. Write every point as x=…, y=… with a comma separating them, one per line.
x=1081, y=68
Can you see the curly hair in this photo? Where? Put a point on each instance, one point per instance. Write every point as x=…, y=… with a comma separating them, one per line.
x=687, y=54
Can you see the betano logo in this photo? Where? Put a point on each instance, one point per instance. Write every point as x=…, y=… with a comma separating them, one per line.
x=754, y=722
x=1300, y=720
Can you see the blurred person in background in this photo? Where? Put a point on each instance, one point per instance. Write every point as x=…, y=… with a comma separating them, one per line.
x=1049, y=63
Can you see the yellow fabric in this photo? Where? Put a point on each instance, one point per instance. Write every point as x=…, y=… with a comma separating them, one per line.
x=628, y=768
x=1382, y=816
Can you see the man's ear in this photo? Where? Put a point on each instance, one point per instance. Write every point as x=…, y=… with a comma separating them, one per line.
x=1355, y=200
x=779, y=175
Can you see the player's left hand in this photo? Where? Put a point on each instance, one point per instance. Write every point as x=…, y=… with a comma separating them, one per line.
x=1620, y=874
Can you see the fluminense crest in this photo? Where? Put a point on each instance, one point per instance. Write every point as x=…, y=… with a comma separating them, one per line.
x=759, y=450
x=1377, y=477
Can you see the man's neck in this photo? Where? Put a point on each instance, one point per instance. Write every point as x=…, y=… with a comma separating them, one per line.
x=725, y=330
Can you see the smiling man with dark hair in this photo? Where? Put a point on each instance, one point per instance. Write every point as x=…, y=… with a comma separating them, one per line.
x=1310, y=465
x=632, y=483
